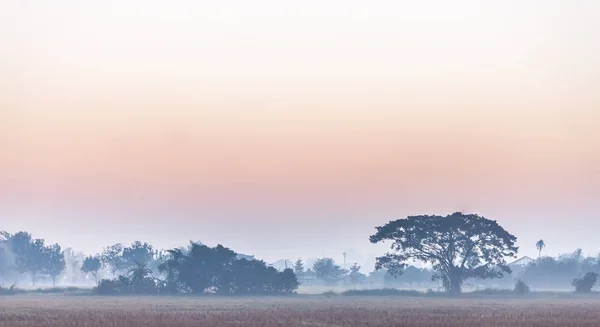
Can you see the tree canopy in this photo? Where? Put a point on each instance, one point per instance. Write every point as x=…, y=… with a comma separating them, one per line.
x=299, y=268
x=326, y=270
x=112, y=257
x=32, y=256
x=201, y=269
x=137, y=253
x=458, y=247
x=91, y=265
x=54, y=261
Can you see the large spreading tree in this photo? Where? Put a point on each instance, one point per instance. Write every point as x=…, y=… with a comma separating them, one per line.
x=458, y=247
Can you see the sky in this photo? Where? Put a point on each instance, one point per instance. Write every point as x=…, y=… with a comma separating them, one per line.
x=290, y=130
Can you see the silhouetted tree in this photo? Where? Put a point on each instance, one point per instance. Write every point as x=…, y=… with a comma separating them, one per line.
x=53, y=261
x=136, y=253
x=201, y=269
x=540, y=245
x=585, y=283
x=286, y=282
x=35, y=260
x=119, y=285
x=171, y=265
x=19, y=244
x=355, y=275
x=202, y=266
x=6, y=260
x=326, y=270
x=458, y=246
x=520, y=287
x=413, y=275
x=548, y=271
x=299, y=268
x=140, y=279
x=577, y=255
x=29, y=253
x=410, y=275
x=91, y=265
x=112, y=258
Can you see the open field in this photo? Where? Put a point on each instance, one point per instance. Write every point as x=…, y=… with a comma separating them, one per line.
x=65, y=311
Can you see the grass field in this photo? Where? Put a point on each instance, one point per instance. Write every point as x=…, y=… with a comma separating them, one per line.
x=88, y=311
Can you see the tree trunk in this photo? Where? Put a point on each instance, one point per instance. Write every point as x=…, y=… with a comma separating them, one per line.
x=53, y=280
x=454, y=283
x=33, y=278
x=455, y=287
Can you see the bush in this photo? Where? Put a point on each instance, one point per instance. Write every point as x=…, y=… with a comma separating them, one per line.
x=120, y=285
x=585, y=283
x=8, y=291
x=492, y=291
x=330, y=293
x=521, y=288
x=382, y=292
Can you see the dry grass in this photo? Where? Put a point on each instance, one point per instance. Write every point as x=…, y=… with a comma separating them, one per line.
x=65, y=311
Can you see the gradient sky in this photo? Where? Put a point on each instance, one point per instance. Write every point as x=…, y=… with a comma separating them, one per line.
x=292, y=129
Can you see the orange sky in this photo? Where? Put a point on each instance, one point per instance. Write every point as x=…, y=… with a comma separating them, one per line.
x=140, y=108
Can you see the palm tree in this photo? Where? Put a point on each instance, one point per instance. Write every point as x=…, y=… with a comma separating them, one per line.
x=139, y=275
x=540, y=245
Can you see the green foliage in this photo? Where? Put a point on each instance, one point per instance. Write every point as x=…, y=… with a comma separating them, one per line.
x=54, y=261
x=112, y=257
x=458, y=247
x=493, y=291
x=355, y=275
x=410, y=275
x=32, y=255
x=8, y=291
x=141, y=280
x=585, y=283
x=326, y=270
x=299, y=268
x=203, y=270
x=540, y=245
x=137, y=253
x=521, y=288
x=118, y=286
x=558, y=272
x=382, y=292
x=330, y=293
x=91, y=265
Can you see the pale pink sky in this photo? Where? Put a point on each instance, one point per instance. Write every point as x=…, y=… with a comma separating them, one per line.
x=274, y=121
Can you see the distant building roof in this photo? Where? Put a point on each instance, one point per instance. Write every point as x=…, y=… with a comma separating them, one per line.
x=245, y=256
x=523, y=261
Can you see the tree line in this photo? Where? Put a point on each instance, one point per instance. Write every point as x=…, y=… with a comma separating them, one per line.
x=140, y=269
x=200, y=269
x=458, y=248
x=21, y=254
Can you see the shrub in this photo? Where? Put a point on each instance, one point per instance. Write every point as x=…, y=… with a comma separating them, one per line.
x=521, y=288
x=8, y=291
x=330, y=293
x=585, y=283
x=492, y=291
x=382, y=292
x=120, y=285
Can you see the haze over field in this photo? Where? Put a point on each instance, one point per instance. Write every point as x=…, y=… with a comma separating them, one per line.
x=291, y=130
